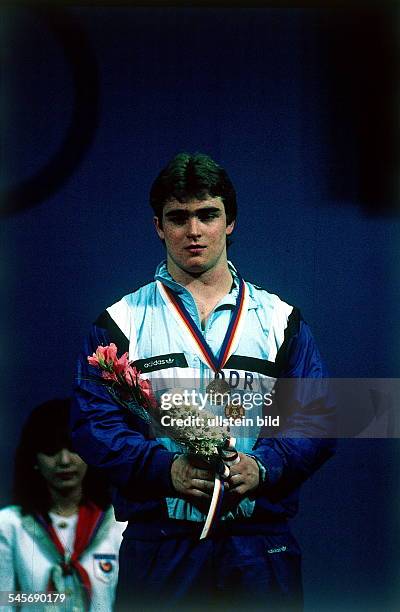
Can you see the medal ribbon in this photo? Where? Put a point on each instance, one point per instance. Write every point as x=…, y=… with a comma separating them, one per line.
x=214, y=363
x=228, y=457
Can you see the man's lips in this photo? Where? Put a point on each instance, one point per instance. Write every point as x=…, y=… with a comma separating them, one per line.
x=195, y=248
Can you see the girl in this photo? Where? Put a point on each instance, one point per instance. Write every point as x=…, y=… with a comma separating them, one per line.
x=61, y=535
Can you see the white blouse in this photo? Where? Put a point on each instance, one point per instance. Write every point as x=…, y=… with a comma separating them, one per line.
x=28, y=557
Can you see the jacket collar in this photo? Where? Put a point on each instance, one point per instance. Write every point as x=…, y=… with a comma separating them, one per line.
x=165, y=277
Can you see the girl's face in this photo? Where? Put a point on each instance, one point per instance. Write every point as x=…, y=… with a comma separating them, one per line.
x=63, y=470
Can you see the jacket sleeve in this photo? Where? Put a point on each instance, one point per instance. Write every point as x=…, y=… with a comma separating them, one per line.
x=110, y=438
x=307, y=415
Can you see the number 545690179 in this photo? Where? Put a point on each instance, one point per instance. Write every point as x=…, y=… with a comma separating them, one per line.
x=18, y=597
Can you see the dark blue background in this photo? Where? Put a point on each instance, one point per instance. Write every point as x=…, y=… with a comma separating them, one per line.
x=298, y=105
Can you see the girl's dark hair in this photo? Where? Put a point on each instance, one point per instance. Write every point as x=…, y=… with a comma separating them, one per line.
x=47, y=430
x=196, y=176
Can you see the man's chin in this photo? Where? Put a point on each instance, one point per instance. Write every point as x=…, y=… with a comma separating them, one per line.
x=195, y=266
x=196, y=270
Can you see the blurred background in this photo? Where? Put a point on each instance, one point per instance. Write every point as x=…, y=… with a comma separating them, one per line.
x=301, y=106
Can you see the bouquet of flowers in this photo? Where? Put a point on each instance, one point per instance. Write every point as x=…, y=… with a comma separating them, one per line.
x=212, y=443
x=199, y=437
x=124, y=382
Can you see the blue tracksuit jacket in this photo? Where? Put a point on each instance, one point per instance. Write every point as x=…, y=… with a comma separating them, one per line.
x=275, y=344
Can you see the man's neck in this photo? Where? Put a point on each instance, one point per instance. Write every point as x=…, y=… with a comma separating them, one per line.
x=208, y=284
x=207, y=288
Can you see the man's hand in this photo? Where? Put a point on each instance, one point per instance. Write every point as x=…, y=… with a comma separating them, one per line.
x=244, y=476
x=191, y=478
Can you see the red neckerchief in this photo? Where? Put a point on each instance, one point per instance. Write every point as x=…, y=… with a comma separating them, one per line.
x=89, y=519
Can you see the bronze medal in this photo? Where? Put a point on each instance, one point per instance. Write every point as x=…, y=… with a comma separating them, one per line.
x=236, y=411
x=218, y=390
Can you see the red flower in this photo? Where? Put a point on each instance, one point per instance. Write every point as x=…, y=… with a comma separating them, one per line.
x=146, y=389
x=131, y=376
x=120, y=371
x=109, y=376
x=104, y=357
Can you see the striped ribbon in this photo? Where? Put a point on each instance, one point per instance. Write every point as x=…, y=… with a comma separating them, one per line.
x=229, y=456
x=216, y=364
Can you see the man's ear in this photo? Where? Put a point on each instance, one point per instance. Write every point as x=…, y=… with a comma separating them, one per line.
x=230, y=227
x=158, y=226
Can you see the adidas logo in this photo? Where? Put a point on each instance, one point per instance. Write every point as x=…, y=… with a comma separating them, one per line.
x=156, y=362
x=271, y=551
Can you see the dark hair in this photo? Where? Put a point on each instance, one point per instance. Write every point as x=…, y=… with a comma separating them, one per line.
x=47, y=430
x=189, y=177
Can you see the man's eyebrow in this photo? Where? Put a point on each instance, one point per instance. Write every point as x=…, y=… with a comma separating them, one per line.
x=208, y=209
x=181, y=211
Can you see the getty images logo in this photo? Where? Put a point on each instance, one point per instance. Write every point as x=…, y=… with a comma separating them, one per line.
x=158, y=362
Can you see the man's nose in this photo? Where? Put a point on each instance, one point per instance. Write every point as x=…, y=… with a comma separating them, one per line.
x=193, y=227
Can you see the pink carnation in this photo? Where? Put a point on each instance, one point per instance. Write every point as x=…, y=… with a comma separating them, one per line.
x=121, y=365
x=109, y=375
x=131, y=375
x=120, y=371
x=146, y=389
x=104, y=357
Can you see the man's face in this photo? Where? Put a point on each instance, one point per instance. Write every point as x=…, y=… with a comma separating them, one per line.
x=195, y=234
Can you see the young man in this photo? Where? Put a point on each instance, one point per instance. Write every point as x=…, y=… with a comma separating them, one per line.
x=197, y=306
